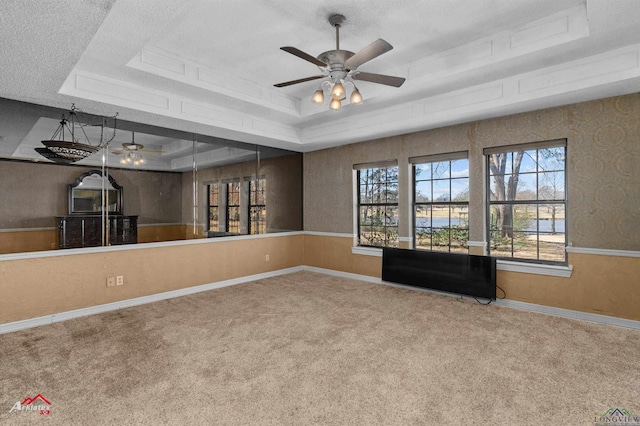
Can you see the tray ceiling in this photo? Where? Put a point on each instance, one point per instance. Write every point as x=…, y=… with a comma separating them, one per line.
x=209, y=67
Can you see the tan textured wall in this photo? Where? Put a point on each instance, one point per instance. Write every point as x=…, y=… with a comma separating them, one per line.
x=158, y=233
x=603, y=172
x=603, y=169
x=25, y=241
x=603, y=165
x=152, y=196
x=603, y=213
x=28, y=241
x=41, y=286
x=283, y=191
x=604, y=285
x=335, y=253
x=33, y=194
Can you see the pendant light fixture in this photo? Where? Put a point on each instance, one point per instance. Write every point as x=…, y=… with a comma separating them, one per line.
x=64, y=147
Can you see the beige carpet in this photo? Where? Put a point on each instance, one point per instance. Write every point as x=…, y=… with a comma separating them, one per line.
x=308, y=348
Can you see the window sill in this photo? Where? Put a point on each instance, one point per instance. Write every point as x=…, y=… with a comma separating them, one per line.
x=535, y=268
x=367, y=251
x=501, y=265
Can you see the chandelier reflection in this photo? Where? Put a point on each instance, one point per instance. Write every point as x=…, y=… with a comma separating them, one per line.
x=132, y=152
x=132, y=157
x=64, y=147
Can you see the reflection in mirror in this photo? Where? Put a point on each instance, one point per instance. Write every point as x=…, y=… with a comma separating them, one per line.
x=169, y=194
x=85, y=196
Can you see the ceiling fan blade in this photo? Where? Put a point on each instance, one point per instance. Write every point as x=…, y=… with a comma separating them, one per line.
x=300, y=54
x=302, y=80
x=373, y=50
x=118, y=151
x=389, y=80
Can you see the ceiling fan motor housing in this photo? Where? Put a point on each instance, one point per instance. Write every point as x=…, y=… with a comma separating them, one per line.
x=335, y=60
x=132, y=146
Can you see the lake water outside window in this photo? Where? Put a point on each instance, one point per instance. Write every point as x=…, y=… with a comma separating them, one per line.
x=441, y=202
x=378, y=206
x=527, y=202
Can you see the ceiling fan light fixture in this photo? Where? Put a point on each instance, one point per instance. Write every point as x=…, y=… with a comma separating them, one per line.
x=132, y=152
x=338, y=91
x=132, y=157
x=356, y=97
x=318, y=97
x=339, y=67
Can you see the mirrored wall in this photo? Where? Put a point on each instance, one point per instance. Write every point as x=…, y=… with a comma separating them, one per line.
x=144, y=184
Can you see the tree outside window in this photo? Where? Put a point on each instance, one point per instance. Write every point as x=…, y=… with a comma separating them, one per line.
x=378, y=206
x=527, y=202
x=212, y=203
x=233, y=207
x=441, y=204
x=257, y=206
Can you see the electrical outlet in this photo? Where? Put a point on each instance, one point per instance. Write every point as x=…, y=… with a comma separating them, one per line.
x=111, y=281
x=119, y=280
x=266, y=258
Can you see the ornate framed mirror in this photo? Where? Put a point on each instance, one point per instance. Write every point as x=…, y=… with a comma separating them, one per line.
x=85, y=195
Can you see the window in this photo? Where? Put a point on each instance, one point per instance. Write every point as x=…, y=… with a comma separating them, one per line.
x=233, y=207
x=378, y=205
x=526, y=206
x=441, y=202
x=257, y=206
x=212, y=203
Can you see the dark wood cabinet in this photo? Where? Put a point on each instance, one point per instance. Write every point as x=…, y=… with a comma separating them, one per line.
x=86, y=231
x=91, y=194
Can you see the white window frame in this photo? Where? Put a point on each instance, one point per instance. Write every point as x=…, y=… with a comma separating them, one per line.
x=506, y=262
x=357, y=248
x=431, y=159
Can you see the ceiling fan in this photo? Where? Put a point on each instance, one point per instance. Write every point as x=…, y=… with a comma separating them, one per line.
x=340, y=67
x=133, y=151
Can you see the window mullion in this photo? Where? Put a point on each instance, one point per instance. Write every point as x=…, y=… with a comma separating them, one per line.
x=541, y=165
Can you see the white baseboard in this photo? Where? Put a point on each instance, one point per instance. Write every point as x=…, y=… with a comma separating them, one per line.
x=114, y=306
x=531, y=307
x=77, y=313
x=568, y=313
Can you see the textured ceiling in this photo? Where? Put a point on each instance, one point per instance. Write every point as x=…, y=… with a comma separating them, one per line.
x=208, y=67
